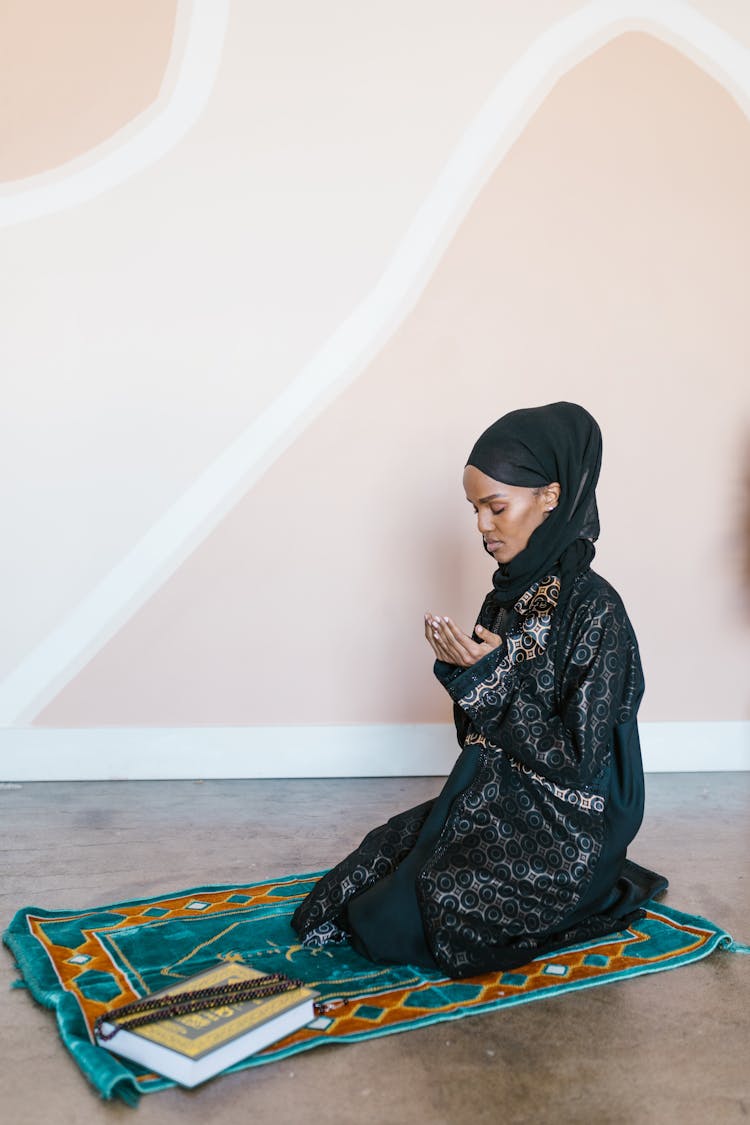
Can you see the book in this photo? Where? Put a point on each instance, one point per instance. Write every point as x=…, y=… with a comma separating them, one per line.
x=192, y=1048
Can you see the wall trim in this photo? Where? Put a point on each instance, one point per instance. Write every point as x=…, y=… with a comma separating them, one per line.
x=367, y=750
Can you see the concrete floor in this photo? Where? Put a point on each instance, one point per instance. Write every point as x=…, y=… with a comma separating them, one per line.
x=672, y=1047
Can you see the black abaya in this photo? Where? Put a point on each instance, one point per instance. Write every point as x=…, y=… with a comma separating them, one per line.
x=523, y=851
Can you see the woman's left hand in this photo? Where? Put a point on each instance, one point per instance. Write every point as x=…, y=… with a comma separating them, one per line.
x=454, y=646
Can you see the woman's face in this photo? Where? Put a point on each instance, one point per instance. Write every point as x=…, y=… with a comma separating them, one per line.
x=507, y=514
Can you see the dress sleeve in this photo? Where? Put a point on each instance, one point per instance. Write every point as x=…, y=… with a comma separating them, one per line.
x=509, y=696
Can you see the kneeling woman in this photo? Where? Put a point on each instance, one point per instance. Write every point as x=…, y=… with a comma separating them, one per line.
x=524, y=850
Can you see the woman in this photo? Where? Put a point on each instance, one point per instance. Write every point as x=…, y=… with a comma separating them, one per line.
x=523, y=851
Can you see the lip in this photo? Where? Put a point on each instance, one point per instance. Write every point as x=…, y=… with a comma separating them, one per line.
x=493, y=544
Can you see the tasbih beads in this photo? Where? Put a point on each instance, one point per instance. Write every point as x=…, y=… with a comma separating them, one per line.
x=151, y=1009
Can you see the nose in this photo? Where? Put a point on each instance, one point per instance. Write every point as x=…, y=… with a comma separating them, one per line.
x=484, y=521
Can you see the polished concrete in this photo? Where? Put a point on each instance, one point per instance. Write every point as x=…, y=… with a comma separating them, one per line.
x=671, y=1047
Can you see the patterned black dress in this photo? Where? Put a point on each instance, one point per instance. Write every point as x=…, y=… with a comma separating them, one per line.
x=524, y=850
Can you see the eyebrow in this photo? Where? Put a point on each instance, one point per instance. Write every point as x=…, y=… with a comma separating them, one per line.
x=486, y=499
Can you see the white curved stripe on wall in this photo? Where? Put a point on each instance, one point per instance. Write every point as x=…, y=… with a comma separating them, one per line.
x=193, y=65
x=40, y=676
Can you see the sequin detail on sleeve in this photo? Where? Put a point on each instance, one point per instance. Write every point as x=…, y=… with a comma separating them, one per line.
x=560, y=730
x=486, y=687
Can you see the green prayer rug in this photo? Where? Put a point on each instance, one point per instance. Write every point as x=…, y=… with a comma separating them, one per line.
x=81, y=962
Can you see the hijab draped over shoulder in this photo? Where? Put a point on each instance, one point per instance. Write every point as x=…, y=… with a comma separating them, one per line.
x=533, y=447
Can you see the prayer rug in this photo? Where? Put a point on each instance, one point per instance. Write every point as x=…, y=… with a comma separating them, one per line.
x=81, y=962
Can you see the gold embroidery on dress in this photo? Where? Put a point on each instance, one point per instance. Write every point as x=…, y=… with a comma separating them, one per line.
x=528, y=640
x=474, y=738
x=543, y=596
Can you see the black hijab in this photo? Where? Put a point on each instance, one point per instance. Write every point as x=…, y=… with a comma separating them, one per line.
x=533, y=447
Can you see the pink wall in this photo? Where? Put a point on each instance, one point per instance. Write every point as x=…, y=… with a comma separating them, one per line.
x=72, y=74
x=603, y=261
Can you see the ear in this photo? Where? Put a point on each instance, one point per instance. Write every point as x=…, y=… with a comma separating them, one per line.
x=551, y=497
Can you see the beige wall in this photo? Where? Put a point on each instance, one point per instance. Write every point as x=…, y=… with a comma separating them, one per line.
x=603, y=260
x=72, y=74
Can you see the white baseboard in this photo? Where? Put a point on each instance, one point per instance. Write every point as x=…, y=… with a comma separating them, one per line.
x=377, y=750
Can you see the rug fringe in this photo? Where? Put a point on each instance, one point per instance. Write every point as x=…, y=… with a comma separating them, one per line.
x=737, y=947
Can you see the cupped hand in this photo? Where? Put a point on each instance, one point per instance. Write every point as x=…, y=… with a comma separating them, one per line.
x=452, y=645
